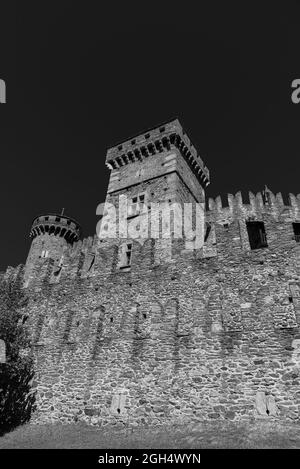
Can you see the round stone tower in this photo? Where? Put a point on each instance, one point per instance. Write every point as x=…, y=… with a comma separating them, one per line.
x=50, y=235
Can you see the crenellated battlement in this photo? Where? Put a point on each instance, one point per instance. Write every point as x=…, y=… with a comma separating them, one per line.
x=60, y=225
x=264, y=202
x=225, y=230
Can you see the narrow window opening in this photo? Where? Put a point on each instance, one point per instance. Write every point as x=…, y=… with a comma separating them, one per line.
x=118, y=410
x=126, y=252
x=145, y=316
x=208, y=229
x=296, y=228
x=111, y=319
x=92, y=263
x=256, y=234
x=290, y=299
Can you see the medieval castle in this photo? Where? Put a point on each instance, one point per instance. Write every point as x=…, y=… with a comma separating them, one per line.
x=141, y=333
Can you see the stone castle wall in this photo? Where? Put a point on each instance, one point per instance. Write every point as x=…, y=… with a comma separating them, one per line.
x=183, y=335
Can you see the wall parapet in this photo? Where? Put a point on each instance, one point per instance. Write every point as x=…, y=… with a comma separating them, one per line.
x=239, y=205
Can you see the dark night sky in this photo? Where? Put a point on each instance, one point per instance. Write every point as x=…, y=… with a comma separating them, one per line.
x=83, y=76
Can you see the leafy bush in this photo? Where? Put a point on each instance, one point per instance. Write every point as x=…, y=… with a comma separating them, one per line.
x=16, y=397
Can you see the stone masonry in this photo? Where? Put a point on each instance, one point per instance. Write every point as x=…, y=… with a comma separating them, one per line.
x=175, y=335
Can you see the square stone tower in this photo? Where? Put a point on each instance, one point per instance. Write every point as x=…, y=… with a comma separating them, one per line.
x=159, y=165
x=156, y=169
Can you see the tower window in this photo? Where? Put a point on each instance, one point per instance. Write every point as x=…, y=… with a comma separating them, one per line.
x=57, y=219
x=296, y=228
x=135, y=204
x=256, y=234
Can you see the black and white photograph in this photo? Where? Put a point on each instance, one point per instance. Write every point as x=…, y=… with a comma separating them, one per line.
x=150, y=231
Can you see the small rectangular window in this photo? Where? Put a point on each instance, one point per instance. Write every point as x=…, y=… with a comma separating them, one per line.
x=296, y=228
x=128, y=253
x=256, y=234
x=136, y=204
x=125, y=258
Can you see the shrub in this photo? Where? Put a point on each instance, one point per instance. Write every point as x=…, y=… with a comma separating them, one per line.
x=16, y=397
